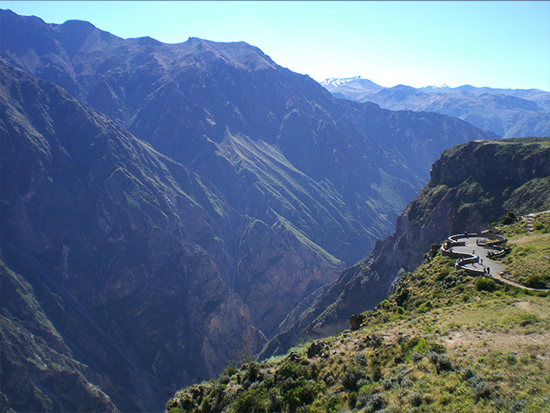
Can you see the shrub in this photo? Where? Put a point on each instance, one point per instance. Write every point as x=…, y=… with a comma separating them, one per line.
x=251, y=402
x=415, y=399
x=332, y=404
x=508, y=219
x=517, y=406
x=291, y=369
x=402, y=296
x=511, y=359
x=440, y=361
x=467, y=373
x=229, y=370
x=416, y=356
x=485, y=284
x=352, y=399
x=351, y=378
x=536, y=281
x=422, y=308
x=302, y=393
x=252, y=371
x=375, y=402
x=376, y=373
x=482, y=389
x=275, y=400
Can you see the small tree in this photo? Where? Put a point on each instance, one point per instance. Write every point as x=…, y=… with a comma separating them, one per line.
x=485, y=284
x=508, y=219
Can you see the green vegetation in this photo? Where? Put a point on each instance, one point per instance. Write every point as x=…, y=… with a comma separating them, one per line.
x=528, y=257
x=442, y=341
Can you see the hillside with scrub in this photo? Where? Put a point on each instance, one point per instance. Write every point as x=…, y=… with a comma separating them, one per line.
x=442, y=341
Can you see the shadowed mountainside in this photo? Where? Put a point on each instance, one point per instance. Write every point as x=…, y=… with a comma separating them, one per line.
x=107, y=233
x=229, y=113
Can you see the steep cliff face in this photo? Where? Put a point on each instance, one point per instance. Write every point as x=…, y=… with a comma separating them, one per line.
x=471, y=186
x=113, y=241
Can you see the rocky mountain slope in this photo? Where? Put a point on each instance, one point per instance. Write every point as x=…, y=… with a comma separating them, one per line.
x=471, y=186
x=506, y=112
x=156, y=269
x=108, y=243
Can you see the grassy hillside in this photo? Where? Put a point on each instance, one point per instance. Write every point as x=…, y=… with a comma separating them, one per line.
x=528, y=258
x=442, y=341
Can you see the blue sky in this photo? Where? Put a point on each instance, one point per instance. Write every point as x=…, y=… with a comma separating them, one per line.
x=496, y=44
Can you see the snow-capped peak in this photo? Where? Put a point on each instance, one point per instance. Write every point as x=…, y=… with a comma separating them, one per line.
x=338, y=81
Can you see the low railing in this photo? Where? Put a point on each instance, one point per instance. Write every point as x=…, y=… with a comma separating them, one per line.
x=464, y=258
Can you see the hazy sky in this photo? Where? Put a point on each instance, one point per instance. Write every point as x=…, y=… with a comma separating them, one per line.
x=497, y=44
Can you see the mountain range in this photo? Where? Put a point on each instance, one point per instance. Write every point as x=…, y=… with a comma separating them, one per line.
x=506, y=112
x=169, y=208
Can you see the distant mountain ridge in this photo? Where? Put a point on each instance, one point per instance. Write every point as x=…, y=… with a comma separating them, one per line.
x=506, y=112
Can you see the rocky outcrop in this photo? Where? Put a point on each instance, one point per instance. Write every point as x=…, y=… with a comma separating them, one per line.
x=471, y=186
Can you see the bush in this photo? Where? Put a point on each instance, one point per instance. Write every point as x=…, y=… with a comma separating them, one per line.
x=508, y=219
x=485, y=284
x=440, y=361
x=416, y=356
x=415, y=399
x=422, y=308
x=482, y=389
x=250, y=402
x=351, y=378
x=536, y=281
x=375, y=402
x=302, y=393
x=230, y=369
x=291, y=369
x=252, y=371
